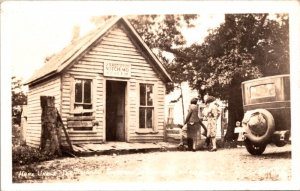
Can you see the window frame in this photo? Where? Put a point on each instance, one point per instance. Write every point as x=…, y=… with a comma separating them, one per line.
x=83, y=93
x=73, y=94
x=145, y=107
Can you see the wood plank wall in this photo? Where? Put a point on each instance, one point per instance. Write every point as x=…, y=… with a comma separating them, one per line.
x=114, y=47
x=48, y=88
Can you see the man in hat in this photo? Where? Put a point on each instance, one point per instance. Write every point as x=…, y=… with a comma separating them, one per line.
x=211, y=111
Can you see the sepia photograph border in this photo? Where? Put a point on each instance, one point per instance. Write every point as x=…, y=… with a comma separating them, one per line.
x=167, y=7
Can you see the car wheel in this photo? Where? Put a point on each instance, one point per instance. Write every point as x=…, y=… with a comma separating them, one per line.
x=254, y=149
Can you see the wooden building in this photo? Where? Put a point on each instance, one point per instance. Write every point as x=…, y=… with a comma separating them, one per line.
x=108, y=86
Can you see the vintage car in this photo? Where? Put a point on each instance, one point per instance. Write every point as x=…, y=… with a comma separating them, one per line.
x=267, y=107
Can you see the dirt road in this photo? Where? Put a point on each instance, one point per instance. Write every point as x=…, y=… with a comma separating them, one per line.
x=223, y=165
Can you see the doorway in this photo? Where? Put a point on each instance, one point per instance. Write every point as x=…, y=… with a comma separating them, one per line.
x=115, y=110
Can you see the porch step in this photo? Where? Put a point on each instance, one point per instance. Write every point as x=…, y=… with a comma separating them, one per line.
x=120, y=148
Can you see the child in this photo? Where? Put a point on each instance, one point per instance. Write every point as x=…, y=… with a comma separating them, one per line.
x=238, y=129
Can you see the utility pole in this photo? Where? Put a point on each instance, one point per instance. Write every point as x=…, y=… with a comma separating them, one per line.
x=182, y=103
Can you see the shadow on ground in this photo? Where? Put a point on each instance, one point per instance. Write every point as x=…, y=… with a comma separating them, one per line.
x=277, y=155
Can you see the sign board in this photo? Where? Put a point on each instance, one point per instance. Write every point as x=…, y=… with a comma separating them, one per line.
x=122, y=70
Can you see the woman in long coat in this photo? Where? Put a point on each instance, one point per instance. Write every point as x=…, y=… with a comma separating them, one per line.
x=193, y=124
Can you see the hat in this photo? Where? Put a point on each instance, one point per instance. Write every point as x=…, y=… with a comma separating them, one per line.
x=209, y=99
x=194, y=100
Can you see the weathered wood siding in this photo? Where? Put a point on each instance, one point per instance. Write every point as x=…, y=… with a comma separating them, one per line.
x=115, y=47
x=135, y=134
x=48, y=88
x=78, y=137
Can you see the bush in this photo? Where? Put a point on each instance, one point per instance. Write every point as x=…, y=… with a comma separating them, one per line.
x=27, y=155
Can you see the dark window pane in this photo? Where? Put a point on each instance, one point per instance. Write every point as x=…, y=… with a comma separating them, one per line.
x=87, y=106
x=149, y=95
x=87, y=91
x=149, y=118
x=142, y=118
x=142, y=94
x=77, y=106
x=78, y=91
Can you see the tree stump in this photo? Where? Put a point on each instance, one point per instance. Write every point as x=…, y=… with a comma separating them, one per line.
x=50, y=129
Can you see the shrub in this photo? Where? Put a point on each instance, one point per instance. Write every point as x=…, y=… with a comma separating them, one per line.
x=27, y=155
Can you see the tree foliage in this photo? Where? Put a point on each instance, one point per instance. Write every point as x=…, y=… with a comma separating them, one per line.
x=162, y=33
x=18, y=98
x=245, y=46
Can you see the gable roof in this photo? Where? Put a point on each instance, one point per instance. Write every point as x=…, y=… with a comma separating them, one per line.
x=64, y=58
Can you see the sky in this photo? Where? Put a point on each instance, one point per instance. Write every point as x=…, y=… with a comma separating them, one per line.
x=35, y=30
x=32, y=30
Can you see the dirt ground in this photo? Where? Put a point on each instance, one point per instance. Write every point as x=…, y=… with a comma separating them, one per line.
x=224, y=165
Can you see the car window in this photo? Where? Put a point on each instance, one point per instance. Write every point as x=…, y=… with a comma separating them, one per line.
x=263, y=90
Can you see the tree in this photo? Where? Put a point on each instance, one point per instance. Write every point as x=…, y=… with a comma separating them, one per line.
x=18, y=99
x=162, y=33
x=246, y=46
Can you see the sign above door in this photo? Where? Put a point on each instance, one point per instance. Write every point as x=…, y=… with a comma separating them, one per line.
x=122, y=70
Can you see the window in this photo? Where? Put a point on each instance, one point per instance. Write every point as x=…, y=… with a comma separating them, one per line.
x=146, y=106
x=83, y=94
x=264, y=90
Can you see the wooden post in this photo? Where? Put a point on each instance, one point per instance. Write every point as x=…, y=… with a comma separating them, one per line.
x=182, y=104
x=65, y=131
x=49, y=125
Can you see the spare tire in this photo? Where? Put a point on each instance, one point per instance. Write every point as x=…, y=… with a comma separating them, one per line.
x=259, y=126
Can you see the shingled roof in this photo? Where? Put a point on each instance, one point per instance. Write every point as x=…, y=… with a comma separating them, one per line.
x=64, y=58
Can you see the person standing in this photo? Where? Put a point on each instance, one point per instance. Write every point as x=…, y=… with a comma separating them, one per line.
x=193, y=124
x=211, y=112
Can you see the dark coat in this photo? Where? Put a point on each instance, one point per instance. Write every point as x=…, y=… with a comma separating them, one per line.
x=192, y=116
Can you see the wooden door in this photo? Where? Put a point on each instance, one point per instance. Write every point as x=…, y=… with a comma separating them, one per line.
x=115, y=110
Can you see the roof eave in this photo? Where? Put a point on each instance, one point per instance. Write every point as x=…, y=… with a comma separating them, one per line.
x=66, y=63
x=144, y=45
x=41, y=78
